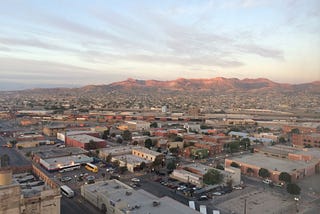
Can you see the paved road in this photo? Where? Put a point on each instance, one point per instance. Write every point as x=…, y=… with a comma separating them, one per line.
x=77, y=205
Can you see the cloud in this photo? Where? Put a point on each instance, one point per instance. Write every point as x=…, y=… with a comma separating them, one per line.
x=261, y=51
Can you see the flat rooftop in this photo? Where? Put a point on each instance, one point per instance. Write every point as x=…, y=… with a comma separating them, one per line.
x=118, y=150
x=70, y=133
x=67, y=160
x=45, y=152
x=83, y=138
x=147, y=151
x=132, y=159
x=271, y=163
x=137, y=201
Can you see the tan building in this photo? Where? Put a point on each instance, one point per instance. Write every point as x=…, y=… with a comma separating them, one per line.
x=15, y=199
x=53, y=130
x=147, y=154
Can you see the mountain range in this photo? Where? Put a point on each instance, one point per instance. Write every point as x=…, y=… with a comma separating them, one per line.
x=213, y=85
x=218, y=84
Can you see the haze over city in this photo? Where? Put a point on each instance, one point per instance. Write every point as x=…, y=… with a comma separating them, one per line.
x=75, y=43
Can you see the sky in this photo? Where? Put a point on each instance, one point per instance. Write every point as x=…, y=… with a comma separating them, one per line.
x=76, y=43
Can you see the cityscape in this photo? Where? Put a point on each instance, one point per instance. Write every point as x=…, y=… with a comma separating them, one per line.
x=178, y=107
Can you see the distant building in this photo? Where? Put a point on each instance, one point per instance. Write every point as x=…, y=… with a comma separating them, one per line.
x=52, y=131
x=306, y=140
x=85, y=142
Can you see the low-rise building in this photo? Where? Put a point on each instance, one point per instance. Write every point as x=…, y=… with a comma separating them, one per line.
x=132, y=162
x=52, y=131
x=297, y=169
x=85, y=142
x=54, y=164
x=116, y=197
x=193, y=173
x=306, y=140
x=147, y=154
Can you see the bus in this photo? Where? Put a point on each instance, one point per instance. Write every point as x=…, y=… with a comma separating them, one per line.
x=91, y=167
x=67, y=191
x=70, y=168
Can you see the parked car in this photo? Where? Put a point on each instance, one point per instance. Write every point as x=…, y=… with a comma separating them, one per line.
x=135, y=180
x=180, y=188
x=217, y=193
x=237, y=187
x=279, y=184
x=203, y=198
x=65, y=179
x=267, y=181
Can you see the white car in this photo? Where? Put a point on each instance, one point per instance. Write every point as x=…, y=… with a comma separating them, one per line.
x=135, y=180
x=180, y=188
x=267, y=181
x=217, y=193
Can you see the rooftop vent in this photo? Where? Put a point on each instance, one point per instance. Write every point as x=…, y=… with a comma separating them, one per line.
x=128, y=193
x=155, y=203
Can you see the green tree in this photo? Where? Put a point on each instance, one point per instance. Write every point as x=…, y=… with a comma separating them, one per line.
x=295, y=131
x=126, y=135
x=245, y=143
x=171, y=165
x=234, y=147
x=105, y=134
x=284, y=176
x=154, y=125
x=92, y=145
x=212, y=177
x=293, y=189
x=219, y=166
x=178, y=138
x=250, y=170
x=264, y=173
x=148, y=143
x=282, y=140
x=235, y=165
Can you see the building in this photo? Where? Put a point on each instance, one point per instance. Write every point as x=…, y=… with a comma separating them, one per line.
x=62, y=135
x=196, y=153
x=303, y=128
x=85, y=141
x=54, y=164
x=193, y=173
x=297, y=169
x=38, y=198
x=54, y=152
x=113, y=196
x=52, y=131
x=306, y=140
x=138, y=125
x=132, y=162
x=147, y=154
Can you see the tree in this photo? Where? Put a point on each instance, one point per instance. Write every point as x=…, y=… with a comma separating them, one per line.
x=178, y=138
x=143, y=165
x=119, y=140
x=219, y=166
x=282, y=140
x=293, y=189
x=212, y=177
x=250, y=170
x=295, y=131
x=245, y=143
x=284, y=176
x=171, y=165
x=264, y=173
x=174, y=150
x=235, y=165
x=5, y=160
x=234, y=147
x=92, y=145
x=105, y=134
x=154, y=125
x=148, y=143
x=109, y=158
x=126, y=135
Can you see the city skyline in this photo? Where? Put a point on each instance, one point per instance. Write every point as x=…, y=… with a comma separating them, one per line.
x=50, y=44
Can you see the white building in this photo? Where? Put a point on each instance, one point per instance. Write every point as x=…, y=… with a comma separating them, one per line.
x=113, y=196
